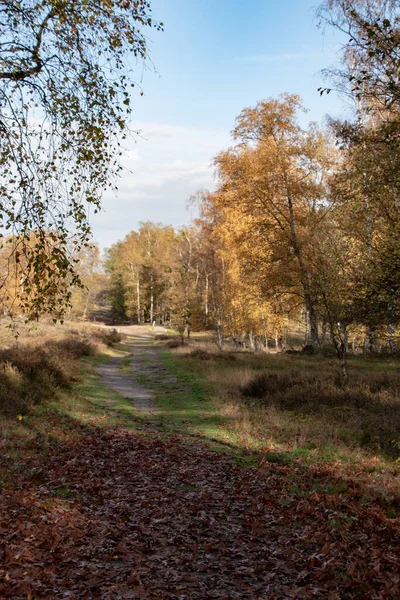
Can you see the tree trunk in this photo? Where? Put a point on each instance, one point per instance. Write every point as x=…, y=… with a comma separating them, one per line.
x=251, y=341
x=265, y=336
x=283, y=342
x=313, y=322
x=345, y=339
x=304, y=275
x=206, y=300
x=307, y=334
x=138, y=299
x=371, y=340
x=276, y=341
x=86, y=309
x=339, y=337
x=323, y=332
x=220, y=335
x=341, y=354
x=151, y=301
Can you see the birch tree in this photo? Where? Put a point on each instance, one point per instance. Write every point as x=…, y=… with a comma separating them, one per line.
x=65, y=98
x=273, y=180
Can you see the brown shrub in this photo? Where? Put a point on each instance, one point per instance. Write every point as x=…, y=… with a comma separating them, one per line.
x=108, y=337
x=31, y=373
x=73, y=347
x=263, y=384
x=174, y=344
x=201, y=354
x=366, y=407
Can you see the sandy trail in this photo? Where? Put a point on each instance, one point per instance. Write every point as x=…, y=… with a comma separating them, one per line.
x=144, y=361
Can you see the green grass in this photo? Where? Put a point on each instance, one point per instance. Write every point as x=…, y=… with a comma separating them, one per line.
x=185, y=406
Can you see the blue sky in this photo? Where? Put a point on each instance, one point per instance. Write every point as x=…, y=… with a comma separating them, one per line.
x=214, y=58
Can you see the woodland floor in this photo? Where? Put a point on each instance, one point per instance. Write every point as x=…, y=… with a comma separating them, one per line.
x=127, y=506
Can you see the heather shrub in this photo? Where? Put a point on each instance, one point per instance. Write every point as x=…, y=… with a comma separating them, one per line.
x=174, y=344
x=108, y=337
x=368, y=407
x=264, y=384
x=72, y=346
x=201, y=354
x=32, y=373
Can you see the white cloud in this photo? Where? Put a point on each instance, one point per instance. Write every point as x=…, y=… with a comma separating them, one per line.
x=179, y=139
x=163, y=168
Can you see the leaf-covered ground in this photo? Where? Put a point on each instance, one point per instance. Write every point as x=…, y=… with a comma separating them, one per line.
x=124, y=514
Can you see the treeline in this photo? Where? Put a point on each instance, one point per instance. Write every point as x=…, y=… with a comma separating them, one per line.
x=159, y=275
x=30, y=287
x=303, y=220
x=186, y=279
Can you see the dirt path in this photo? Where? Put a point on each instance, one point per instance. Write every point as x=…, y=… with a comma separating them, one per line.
x=126, y=386
x=141, y=358
x=124, y=381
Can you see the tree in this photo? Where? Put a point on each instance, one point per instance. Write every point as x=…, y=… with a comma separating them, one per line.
x=272, y=196
x=142, y=268
x=116, y=293
x=365, y=196
x=371, y=57
x=365, y=189
x=84, y=298
x=64, y=108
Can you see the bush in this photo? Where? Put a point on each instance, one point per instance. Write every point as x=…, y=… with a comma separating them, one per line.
x=73, y=347
x=109, y=337
x=368, y=406
x=201, y=354
x=264, y=384
x=31, y=373
x=175, y=344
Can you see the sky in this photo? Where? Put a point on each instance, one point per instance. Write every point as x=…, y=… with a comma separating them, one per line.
x=214, y=58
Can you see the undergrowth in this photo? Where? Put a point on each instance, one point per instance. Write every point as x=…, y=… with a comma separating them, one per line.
x=294, y=410
x=302, y=399
x=33, y=369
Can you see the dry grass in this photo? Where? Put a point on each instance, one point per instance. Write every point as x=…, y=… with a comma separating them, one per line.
x=292, y=409
x=38, y=332
x=31, y=373
x=42, y=359
x=297, y=400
